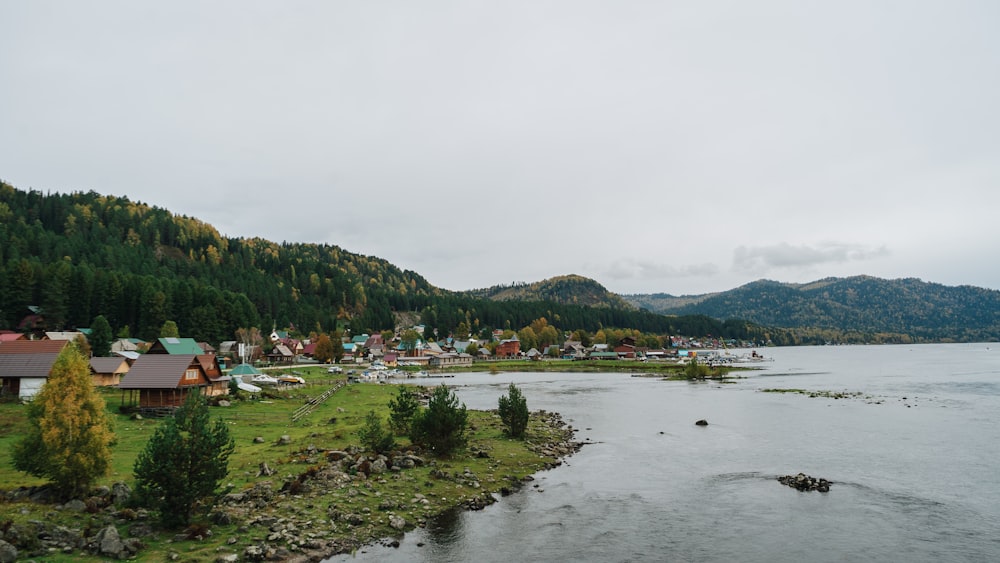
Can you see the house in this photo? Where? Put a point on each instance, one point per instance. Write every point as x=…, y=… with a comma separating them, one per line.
x=449, y=359
x=509, y=348
x=163, y=381
x=534, y=354
x=108, y=372
x=128, y=345
x=219, y=382
x=280, y=354
x=25, y=365
x=625, y=351
x=173, y=345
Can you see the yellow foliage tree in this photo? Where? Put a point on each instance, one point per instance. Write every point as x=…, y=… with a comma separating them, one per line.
x=70, y=436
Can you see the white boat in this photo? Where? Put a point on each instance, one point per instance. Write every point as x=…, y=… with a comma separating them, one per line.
x=248, y=387
x=264, y=379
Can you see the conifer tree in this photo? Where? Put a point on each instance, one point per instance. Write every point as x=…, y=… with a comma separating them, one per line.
x=100, y=336
x=69, y=437
x=183, y=463
x=513, y=409
x=441, y=426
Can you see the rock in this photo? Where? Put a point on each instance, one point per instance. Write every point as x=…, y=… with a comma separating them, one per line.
x=227, y=558
x=378, y=466
x=8, y=553
x=284, y=440
x=224, y=403
x=109, y=543
x=397, y=522
x=258, y=440
x=264, y=470
x=120, y=493
x=75, y=505
x=702, y=422
x=803, y=482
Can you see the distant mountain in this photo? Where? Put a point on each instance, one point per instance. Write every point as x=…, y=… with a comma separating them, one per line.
x=862, y=304
x=565, y=290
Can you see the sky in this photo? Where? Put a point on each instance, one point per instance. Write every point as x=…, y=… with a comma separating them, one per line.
x=656, y=147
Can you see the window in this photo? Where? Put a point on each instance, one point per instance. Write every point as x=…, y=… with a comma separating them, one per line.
x=191, y=374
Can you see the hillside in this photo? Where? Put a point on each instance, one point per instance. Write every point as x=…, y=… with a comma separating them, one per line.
x=566, y=290
x=79, y=255
x=863, y=304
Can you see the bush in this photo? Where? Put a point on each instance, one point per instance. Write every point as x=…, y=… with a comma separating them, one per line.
x=513, y=409
x=441, y=426
x=373, y=437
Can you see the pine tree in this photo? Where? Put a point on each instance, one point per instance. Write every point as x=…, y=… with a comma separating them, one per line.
x=402, y=409
x=513, y=409
x=100, y=336
x=70, y=436
x=183, y=463
x=441, y=426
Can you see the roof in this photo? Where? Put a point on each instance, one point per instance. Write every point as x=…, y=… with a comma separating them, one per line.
x=160, y=371
x=27, y=365
x=183, y=346
x=33, y=346
x=108, y=365
x=9, y=336
x=63, y=335
x=245, y=369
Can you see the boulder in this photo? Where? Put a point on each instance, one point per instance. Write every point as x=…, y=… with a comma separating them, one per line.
x=8, y=553
x=803, y=482
x=702, y=422
x=109, y=543
x=120, y=493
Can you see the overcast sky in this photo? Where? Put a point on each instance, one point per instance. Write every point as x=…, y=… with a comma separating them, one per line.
x=675, y=147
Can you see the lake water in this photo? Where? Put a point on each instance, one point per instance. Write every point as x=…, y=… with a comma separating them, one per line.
x=915, y=463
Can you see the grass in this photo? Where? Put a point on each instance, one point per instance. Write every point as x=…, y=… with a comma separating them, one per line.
x=333, y=425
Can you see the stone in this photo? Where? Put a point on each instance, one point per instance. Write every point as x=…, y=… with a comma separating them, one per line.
x=8, y=553
x=258, y=440
x=702, y=422
x=120, y=493
x=109, y=543
x=227, y=558
x=75, y=505
x=397, y=522
x=284, y=440
x=224, y=403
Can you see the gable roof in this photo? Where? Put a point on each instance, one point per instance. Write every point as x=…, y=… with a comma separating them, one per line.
x=160, y=371
x=9, y=336
x=27, y=365
x=173, y=345
x=33, y=346
x=108, y=365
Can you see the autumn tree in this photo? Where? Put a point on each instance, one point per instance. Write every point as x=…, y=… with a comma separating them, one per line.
x=324, y=349
x=513, y=410
x=100, y=336
x=183, y=462
x=250, y=340
x=69, y=435
x=338, y=346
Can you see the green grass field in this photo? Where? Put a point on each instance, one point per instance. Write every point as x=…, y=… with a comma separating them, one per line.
x=332, y=425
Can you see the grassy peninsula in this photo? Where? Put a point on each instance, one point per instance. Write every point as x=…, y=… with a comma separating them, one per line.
x=286, y=497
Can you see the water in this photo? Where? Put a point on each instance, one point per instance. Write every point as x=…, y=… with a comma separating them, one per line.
x=914, y=463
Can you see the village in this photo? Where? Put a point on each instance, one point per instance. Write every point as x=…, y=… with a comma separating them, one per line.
x=155, y=376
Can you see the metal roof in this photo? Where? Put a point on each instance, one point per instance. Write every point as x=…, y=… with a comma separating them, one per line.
x=27, y=365
x=33, y=346
x=108, y=365
x=161, y=371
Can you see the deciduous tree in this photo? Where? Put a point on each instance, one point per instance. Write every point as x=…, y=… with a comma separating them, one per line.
x=69, y=434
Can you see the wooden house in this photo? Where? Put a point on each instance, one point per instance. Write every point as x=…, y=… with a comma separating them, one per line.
x=25, y=365
x=163, y=381
x=107, y=372
x=450, y=359
x=219, y=382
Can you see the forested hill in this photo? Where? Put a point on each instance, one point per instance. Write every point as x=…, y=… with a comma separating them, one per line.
x=567, y=290
x=861, y=304
x=79, y=255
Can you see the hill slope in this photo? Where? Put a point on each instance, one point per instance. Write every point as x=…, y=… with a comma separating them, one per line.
x=926, y=311
x=567, y=290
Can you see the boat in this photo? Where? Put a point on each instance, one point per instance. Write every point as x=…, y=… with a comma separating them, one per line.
x=249, y=388
x=264, y=379
x=290, y=379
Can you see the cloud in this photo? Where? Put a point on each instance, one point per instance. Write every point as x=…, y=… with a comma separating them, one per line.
x=759, y=259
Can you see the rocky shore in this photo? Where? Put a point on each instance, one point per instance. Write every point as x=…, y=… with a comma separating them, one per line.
x=803, y=482
x=342, y=501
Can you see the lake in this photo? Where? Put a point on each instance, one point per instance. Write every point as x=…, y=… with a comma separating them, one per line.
x=914, y=458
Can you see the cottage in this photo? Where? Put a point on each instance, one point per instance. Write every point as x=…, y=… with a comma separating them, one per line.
x=108, y=372
x=25, y=365
x=158, y=381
